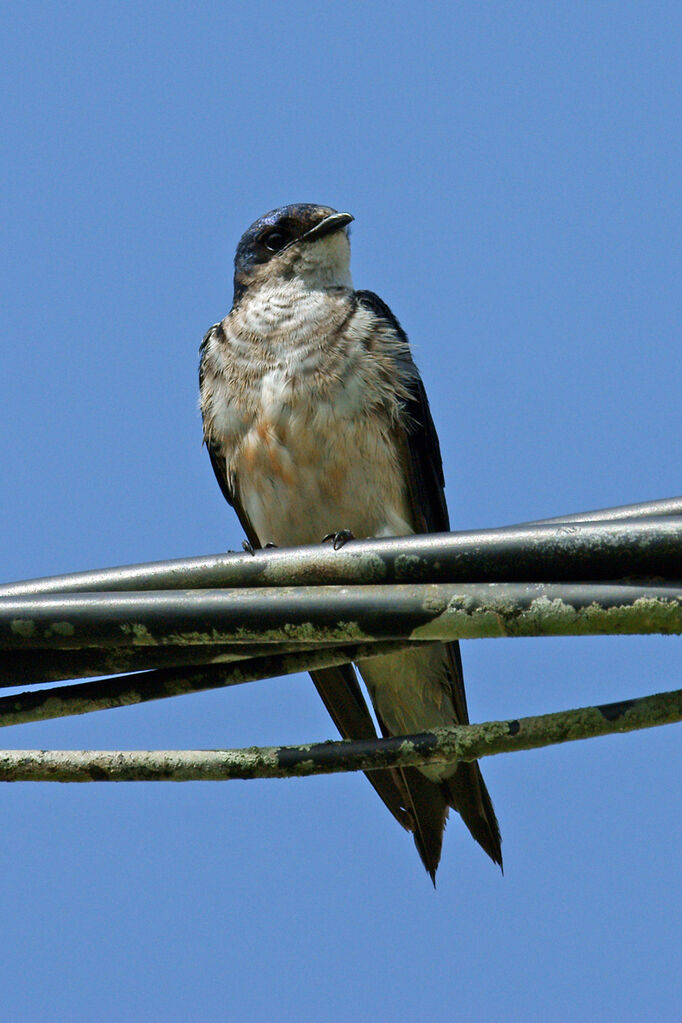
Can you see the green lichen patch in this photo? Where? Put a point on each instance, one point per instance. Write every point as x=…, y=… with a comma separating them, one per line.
x=371, y=567
x=60, y=629
x=139, y=634
x=25, y=627
x=408, y=566
x=467, y=618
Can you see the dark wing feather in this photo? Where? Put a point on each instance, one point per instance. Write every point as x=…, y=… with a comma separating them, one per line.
x=342, y=696
x=425, y=464
x=465, y=791
x=338, y=687
x=231, y=493
x=227, y=486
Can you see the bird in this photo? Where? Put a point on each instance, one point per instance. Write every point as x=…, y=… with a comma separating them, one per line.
x=317, y=425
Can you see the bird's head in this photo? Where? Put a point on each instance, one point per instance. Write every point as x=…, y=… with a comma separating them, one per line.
x=299, y=241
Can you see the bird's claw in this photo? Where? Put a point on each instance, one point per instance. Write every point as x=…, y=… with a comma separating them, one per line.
x=339, y=538
x=249, y=548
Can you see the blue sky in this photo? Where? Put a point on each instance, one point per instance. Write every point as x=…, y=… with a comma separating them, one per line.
x=514, y=172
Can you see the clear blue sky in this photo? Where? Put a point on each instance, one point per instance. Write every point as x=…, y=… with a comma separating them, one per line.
x=514, y=170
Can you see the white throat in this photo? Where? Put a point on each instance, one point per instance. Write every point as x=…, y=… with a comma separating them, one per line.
x=301, y=303
x=325, y=263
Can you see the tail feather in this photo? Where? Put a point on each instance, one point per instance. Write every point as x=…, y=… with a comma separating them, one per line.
x=428, y=804
x=429, y=810
x=466, y=792
x=418, y=803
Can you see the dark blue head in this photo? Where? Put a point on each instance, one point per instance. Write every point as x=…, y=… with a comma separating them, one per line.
x=279, y=230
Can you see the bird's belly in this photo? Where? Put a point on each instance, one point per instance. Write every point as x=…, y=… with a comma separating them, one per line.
x=301, y=478
x=298, y=482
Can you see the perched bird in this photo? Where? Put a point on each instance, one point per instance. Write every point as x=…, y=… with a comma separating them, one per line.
x=317, y=422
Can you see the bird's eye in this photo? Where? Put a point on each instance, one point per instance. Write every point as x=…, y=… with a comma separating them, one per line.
x=275, y=240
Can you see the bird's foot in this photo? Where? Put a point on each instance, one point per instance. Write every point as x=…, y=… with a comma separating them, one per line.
x=339, y=538
x=249, y=548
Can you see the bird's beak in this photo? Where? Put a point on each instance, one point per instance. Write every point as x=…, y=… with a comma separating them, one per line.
x=333, y=222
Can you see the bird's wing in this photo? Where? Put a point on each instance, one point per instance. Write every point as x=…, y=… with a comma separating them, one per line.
x=342, y=696
x=465, y=790
x=227, y=484
x=338, y=687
